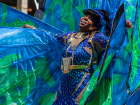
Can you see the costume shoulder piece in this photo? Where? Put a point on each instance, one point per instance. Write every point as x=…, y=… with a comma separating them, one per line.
x=98, y=41
x=101, y=39
x=60, y=36
x=69, y=36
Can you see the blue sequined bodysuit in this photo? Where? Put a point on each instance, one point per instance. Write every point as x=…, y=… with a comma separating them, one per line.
x=71, y=85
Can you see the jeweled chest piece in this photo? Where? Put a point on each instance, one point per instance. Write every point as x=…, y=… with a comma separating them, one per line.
x=78, y=38
x=81, y=34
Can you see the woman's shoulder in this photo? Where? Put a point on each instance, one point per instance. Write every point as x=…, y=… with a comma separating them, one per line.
x=100, y=38
x=63, y=33
x=68, y=33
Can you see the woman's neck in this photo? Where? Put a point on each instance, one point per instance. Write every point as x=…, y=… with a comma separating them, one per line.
x=84, y=33
x=81, y=34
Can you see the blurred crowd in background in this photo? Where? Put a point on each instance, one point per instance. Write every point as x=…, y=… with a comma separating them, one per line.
x=26, y=6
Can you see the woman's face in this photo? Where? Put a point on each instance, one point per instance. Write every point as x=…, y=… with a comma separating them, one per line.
x=86, y=24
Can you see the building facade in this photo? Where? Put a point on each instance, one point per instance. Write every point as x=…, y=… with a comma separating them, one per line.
x=26, y=6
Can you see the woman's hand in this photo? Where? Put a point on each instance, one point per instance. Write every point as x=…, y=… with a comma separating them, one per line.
x=28, y=26
x=128, y=24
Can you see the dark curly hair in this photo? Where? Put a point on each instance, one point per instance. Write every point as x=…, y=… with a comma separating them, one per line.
x=94, y=15
x=106, y=17
x=96, y=18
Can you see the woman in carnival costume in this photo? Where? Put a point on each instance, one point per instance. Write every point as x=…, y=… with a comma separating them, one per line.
x=82, y=50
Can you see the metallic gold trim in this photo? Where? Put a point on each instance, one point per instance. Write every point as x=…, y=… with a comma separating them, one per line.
x=77, y=66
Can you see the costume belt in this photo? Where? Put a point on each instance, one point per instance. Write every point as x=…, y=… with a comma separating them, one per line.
x=77, y=67
x=67, y=67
